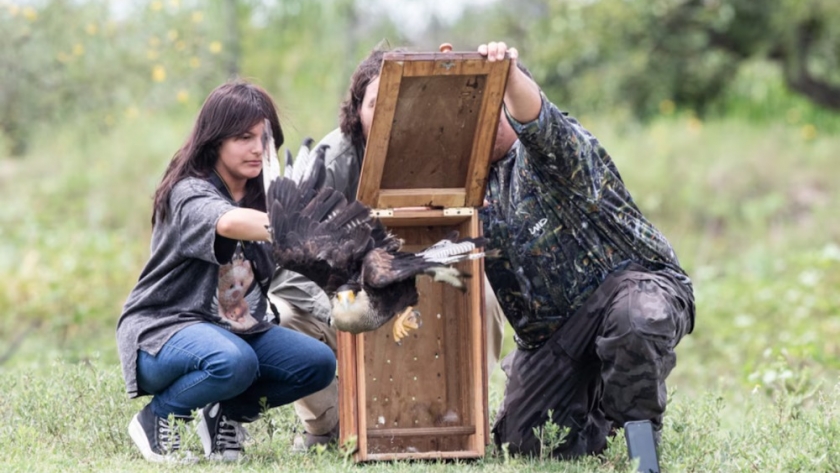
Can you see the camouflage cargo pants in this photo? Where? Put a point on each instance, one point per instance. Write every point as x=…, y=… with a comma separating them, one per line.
x=606, y=365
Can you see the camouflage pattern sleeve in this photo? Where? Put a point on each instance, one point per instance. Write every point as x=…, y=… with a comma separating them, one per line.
x=563, y=150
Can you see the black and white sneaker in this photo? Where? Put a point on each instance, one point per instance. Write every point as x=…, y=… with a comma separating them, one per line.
x=221, y=437
x=157, y=439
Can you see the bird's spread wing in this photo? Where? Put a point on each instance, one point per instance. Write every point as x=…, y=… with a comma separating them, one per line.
x=315, y=231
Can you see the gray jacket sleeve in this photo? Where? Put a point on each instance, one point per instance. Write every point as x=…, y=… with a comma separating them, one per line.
x=344, y=164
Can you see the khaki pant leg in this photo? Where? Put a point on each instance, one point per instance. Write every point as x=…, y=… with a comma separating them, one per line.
x=318, y=411
x=495, y=326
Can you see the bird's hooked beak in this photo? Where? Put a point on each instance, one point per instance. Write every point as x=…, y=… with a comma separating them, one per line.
x=346, y=298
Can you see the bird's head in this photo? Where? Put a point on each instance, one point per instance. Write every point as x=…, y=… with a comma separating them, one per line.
x=346, y=296
x=351, y=310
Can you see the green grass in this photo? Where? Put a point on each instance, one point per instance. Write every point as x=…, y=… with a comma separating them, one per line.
x=750, y=209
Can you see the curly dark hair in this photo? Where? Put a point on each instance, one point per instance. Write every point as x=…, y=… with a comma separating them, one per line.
x=349, y=119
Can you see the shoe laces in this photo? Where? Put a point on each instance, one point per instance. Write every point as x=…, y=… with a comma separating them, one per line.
x=230, y=435
x=168, y=435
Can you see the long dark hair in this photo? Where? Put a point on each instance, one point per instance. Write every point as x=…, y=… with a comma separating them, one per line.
x=230, y=110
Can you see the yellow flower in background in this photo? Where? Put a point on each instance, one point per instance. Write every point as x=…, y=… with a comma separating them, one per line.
x=215, y=47
x=62, y=58
x=109, y=120
x=180, y=45
x=158, y=73
x=197, y=17
x=667, y=107
x=152, y=54
x=694, y=124
x=157, y=5
x=91, y=29
x=183, y=96
x=14, y=10
x=30, y=13
x=195, y=62
x=172, y=35
x=174, y=3
x=78, y=49
x=154, y=41
x=808, y=131
x=132, y=112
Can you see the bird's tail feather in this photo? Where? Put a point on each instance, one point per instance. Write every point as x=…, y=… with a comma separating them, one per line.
x=447, y=251
x=303, y=160
x=288, y=169
x=271, y=166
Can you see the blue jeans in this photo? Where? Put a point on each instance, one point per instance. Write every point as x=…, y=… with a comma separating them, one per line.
x=204, y=363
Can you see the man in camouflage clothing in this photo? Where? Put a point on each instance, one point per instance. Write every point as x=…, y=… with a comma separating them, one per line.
x=594, y=292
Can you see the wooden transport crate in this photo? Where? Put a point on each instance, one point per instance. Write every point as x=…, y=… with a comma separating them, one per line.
x=424, y=174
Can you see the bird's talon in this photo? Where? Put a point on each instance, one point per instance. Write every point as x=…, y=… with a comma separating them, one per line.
x=405, y=321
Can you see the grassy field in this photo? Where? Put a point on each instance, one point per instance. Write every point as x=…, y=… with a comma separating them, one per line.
x=751, y=210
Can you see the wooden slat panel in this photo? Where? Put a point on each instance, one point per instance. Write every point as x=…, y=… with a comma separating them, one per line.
x=418, y=68
x=404, y=217
x=485, y=375
x=485, y=132
x=432, y=56
x=421, y=432
x=348, y=399
x=478, y=325
x=377, y=146
x=425, y=455
x=397, y=198
x=362, y=389
x=419, y=445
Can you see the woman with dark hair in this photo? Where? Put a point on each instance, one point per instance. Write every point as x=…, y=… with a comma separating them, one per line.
x=195, y=331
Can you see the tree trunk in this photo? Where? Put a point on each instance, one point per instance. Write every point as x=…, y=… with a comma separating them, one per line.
x=797, y=75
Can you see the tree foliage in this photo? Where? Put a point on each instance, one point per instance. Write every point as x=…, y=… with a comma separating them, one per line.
x=99, y=61
x=644, y=54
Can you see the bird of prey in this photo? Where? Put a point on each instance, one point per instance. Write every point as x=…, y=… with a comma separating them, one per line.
x=349, y=254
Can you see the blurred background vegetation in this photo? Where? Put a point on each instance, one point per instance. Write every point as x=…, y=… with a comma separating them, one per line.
x=721, y=114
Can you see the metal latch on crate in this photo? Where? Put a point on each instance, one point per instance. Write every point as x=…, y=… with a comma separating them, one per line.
x=454, y=211
x=379, y=213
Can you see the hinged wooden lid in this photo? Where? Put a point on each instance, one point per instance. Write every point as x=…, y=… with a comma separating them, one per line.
x=433, y=130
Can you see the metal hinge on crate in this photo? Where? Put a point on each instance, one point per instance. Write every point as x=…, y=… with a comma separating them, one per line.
x=379, y=213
